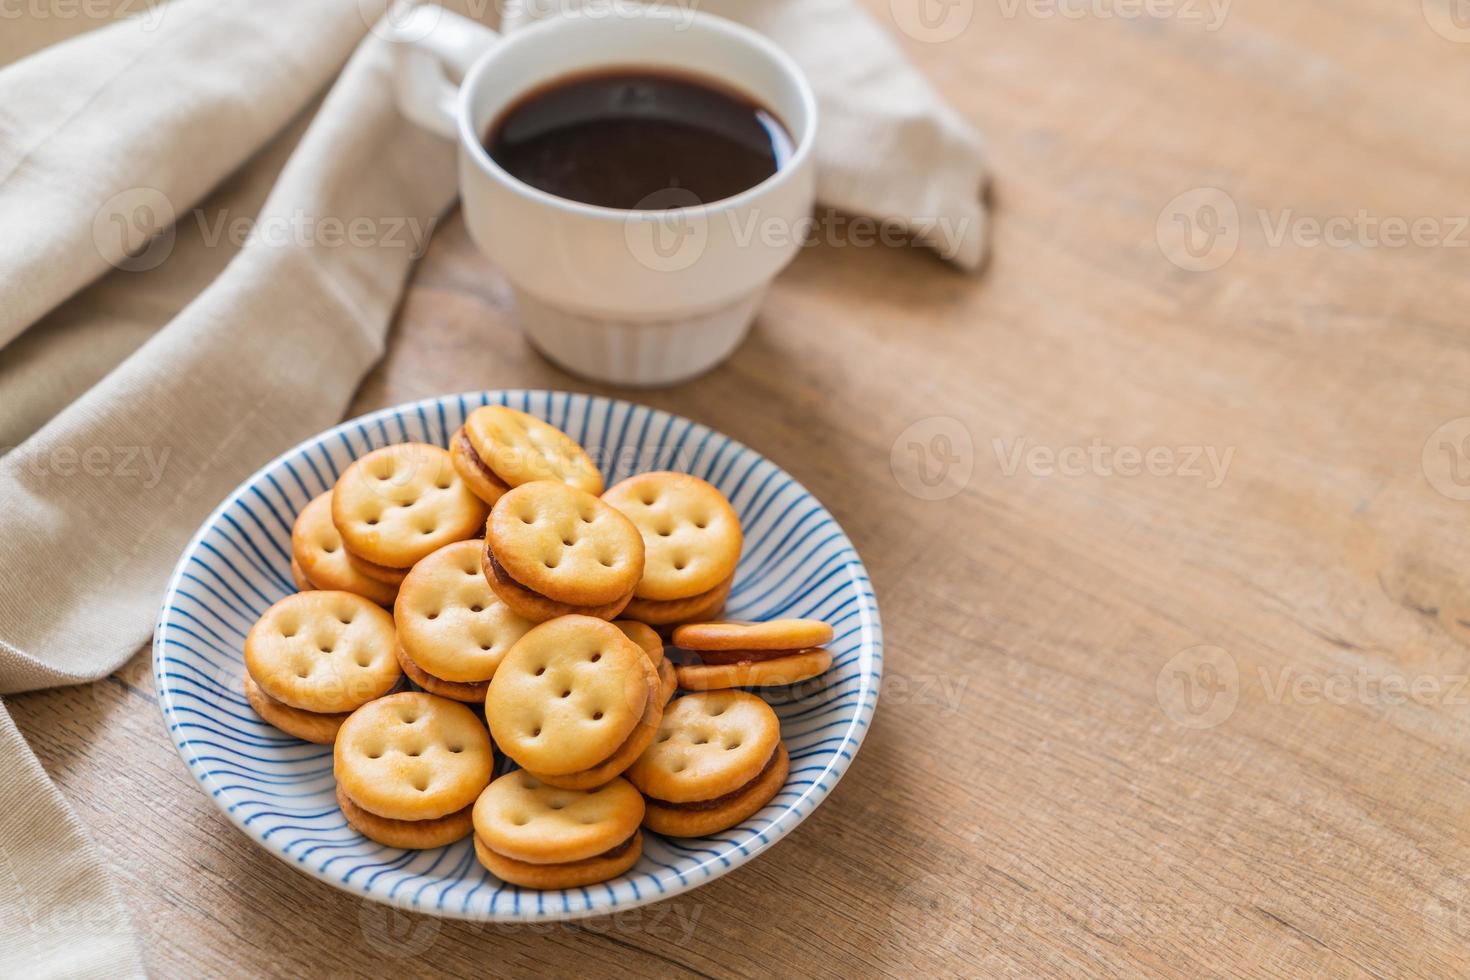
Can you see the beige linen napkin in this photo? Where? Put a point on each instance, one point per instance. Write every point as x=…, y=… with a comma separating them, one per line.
x=141, y=378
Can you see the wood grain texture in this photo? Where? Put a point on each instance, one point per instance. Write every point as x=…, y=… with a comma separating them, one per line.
x=1036, y=794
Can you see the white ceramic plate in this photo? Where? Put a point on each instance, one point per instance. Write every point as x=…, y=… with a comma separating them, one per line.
x=797, y=562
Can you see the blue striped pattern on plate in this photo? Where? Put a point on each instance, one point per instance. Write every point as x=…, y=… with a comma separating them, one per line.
x=796, y=562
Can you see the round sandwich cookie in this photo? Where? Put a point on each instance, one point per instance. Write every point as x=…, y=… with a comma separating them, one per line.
x=574, y=702
x=653, y=645
x=717, y=759
x=691, y=540
x=400, y=503
x=409, y=768
x=553, y=550
x=309, y=726
x=499, y=448
x=319, y=559
x=453, y=629
x=769, y=654
x=323, y=652
x=534, y=835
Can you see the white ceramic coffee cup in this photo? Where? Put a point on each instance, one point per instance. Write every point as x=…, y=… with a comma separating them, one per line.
x=633, y=297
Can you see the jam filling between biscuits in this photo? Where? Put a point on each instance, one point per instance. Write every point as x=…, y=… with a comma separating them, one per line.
x=617, y=850
x=463, y=438
x=744, y=656
x=727, y=798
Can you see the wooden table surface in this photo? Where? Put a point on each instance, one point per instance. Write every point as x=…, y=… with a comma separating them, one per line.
x=1177, y=681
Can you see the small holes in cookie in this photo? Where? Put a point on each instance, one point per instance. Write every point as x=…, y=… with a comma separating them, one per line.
x=421, y=783
x=456, y=749
x=665, y=736
x=731, y=746
x=700, y=741
x=433, y=615
x=648, y=497
x=363, y=660
x=585, y=517
x=372, y=522
x=566, y=694
x=596, y=657
x=597, y=716
x=527, y=518
x=540, y=670
x=536, y=733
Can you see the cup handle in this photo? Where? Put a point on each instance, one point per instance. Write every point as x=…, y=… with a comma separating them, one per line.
x=431, y=48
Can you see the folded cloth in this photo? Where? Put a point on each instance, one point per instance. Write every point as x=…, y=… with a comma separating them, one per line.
x=152, y=355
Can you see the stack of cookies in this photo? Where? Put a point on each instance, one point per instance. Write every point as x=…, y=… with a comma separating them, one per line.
x=527, y=607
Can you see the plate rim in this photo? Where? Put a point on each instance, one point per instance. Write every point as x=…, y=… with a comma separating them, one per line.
x=782, y=824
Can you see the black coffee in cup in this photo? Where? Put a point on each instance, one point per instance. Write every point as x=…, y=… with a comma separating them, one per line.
x=636, y=139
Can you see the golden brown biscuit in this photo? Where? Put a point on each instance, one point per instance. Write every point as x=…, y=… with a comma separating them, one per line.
x=627, y=753
x=451, y=624
x=413, y=756
x=518, y=448
x=713, y=816
x=575, y=874
x=408, y=834
x=645, y=636
x=326, y=652
x=770, y=671
x=481, y=479
x=565, y=544
x=668, y=680
x=537, y=836
x=775, y=634
x=400, y=503
x=376, y=572
x=307, y=725
x=707, y=745
x=674, y=611
x=534, y=606
x=522, y=817
x=568, y=695
x=455, y=690
x=317, y=550
x=691, y=534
